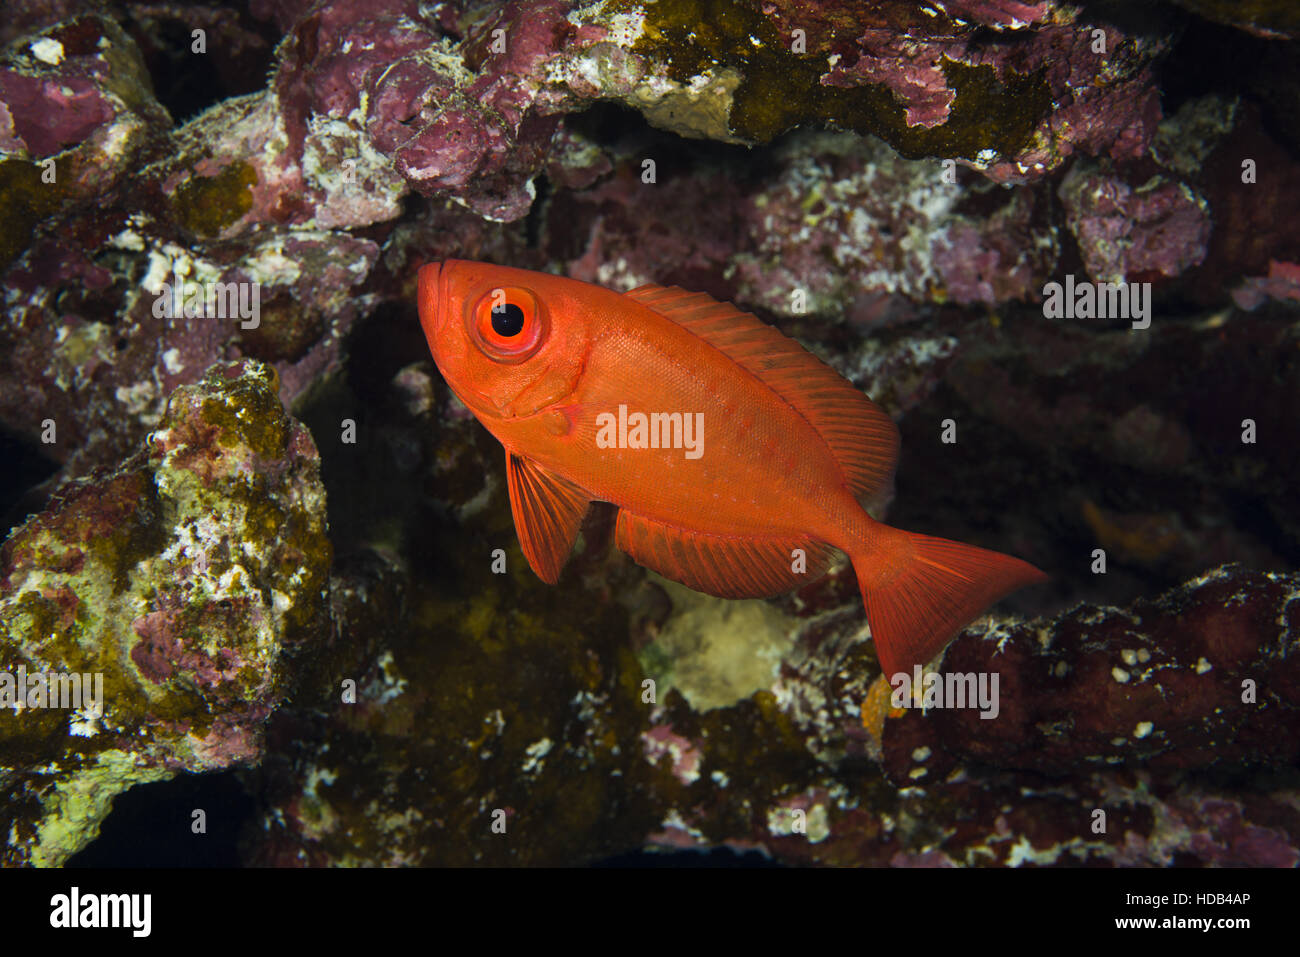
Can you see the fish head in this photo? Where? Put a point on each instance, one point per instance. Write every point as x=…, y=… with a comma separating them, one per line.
x=509, y=342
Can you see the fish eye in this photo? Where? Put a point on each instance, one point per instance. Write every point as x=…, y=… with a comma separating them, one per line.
x=508, y=323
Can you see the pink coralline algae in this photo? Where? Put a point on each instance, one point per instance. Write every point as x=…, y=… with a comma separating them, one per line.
x=684, y=757
x=847, y=220
x=81, y=80
x=46, y=114
x=1157, y=229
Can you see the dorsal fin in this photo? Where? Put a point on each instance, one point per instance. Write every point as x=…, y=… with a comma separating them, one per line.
x=861, y=436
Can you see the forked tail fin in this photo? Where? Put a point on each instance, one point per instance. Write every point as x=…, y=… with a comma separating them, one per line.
x=919, y=591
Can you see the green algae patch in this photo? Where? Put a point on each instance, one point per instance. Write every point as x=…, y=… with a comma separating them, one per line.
x=717, y=652
x=242, y=420
x=79, y=803
x=141, y=533
x=779, y=89
x=205, y=205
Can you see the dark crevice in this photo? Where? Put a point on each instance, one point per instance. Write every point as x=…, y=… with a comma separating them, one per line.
x=152, y=825
x=236, y=59
x=27, y=467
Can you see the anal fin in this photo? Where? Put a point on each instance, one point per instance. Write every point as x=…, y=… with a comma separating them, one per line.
x=729, y=566
x=548, y=511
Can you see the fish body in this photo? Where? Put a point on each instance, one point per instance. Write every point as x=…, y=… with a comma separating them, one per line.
x=736, y=459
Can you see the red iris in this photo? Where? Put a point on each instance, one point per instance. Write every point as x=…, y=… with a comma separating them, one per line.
x=508, y=324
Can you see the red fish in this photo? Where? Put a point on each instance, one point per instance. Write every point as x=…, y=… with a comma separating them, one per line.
x=728, y=449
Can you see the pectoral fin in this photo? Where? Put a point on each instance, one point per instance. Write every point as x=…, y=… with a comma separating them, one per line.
x=548, y=511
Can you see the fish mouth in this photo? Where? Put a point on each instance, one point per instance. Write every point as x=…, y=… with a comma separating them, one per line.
x=432, y=300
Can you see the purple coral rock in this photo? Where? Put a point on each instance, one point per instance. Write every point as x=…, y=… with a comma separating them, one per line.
x=77, y=91
x=1281, y=283
x=1159, y=228
x=1004, y=14
x=1157, y=685
x=65, y=83
x=48, y=114
x=845, y=220
x=1103, y=96
x=445, y=129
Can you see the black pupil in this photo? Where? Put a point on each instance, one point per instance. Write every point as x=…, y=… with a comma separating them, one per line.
x=507, y=320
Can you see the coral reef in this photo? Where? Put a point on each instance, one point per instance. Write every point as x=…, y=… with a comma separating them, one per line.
x=177, y=588
x=1119, y=705
x=208, y=272
x=296, y=186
